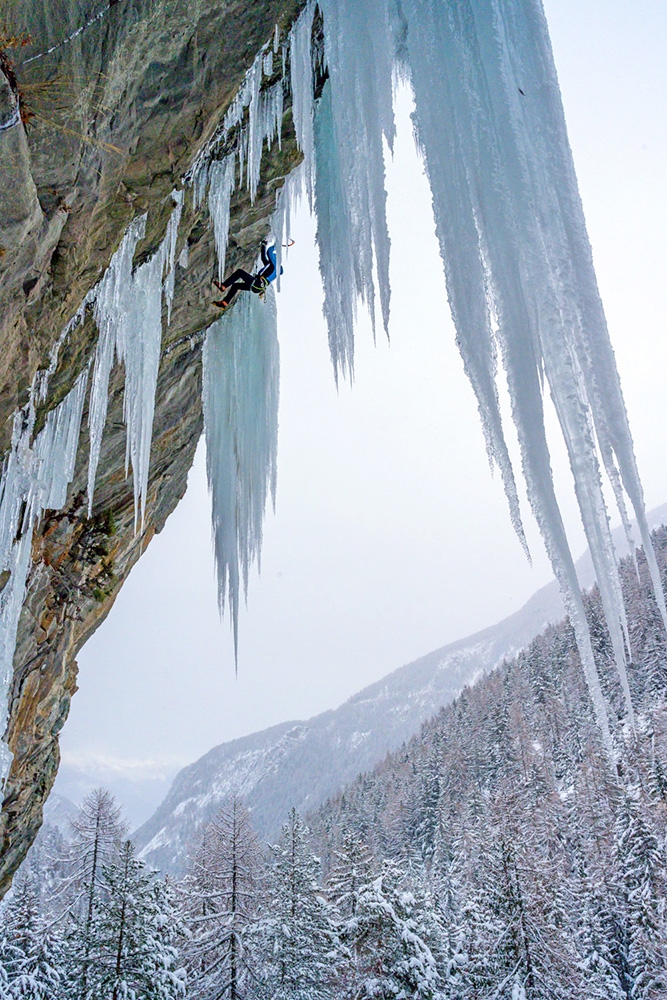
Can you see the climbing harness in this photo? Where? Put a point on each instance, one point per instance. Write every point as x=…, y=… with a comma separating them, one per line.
x=259, y=285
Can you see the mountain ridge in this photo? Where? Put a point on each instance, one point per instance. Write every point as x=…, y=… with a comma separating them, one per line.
x=301, y=763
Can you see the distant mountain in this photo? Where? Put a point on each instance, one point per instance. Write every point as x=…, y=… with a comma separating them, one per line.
x=138, y=785
x=542, y=855
x=302, y=763
x=59, y=812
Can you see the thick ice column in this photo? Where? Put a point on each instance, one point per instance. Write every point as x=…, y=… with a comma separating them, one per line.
x=359, y=54
x=512, y=235
x=240, y=395
x=35, y=478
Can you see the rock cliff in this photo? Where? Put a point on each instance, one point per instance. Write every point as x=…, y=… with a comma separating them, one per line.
x=111, y=119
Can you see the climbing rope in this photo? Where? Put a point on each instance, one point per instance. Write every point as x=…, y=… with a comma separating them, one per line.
x=75, y=34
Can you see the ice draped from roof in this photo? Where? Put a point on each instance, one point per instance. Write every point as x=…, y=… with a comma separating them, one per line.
x=240, y=395
x=521, y=285
x=522, y=289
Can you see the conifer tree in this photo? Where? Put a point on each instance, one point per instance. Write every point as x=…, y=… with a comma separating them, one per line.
x=132, y=935
x=300, y=944
x=220, y=896
x=351, y=871
x=386, y=937
x=97, y=832
x=643, y=883
x=32, y=955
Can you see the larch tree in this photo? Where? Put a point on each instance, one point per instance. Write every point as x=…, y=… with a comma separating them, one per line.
x=97, y=834
x=221, y=894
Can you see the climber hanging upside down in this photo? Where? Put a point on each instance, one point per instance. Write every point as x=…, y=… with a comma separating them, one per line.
x=242, y=281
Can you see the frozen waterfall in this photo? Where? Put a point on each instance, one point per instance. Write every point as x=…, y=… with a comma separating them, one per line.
x=127, y=306
x=35, y=478
x=521, y=284
x=240, y=397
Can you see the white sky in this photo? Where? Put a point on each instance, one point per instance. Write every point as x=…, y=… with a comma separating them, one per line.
x=390, y=537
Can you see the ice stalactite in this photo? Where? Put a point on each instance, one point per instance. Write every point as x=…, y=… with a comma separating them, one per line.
x=35, y=478
x=520, y=278
x=287, y=200
x=127, y=307
x=221, y=187
x=240, y=396
x=253, y=119
x=301, y=85
x=507, y=209
x=359, y=53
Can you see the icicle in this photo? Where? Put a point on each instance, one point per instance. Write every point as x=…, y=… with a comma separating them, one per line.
x=55, y=451
x=127, y=308
x=335, y=240
x=358, y=49
x=240, y=396
x=198, y=179
x=301, y=81
x=286, y=202
x=110, y=312
x=35, y=479
x=518, y=264
x=219, y=199
x=273, y=115
x=264, y=125
x=489, y=121
x=169, y=251
x=254, y=133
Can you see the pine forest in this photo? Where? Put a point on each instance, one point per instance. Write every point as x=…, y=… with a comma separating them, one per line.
x=498, y=854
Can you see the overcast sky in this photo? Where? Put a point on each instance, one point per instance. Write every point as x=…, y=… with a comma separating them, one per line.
x=390, y=538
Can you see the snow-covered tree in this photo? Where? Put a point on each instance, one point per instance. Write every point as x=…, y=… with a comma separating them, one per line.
x=220, y=895
x=32, y=953
x=352, y=869
x=132, y=935
x=299, y=939
x=97, y=833
x=641, y=873
x=386, y=938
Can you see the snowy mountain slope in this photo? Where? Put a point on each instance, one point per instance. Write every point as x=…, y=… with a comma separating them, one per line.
x=59, y=811
x=302, y=763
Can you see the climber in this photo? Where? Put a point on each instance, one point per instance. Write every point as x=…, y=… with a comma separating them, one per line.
x=242, y=281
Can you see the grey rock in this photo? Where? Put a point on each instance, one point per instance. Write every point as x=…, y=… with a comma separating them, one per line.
x=119, y=113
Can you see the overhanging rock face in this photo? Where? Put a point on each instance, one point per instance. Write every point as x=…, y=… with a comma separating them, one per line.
x=126, y=101
x=114, y=119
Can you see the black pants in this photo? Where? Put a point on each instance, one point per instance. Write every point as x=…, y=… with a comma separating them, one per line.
x=239, y=281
